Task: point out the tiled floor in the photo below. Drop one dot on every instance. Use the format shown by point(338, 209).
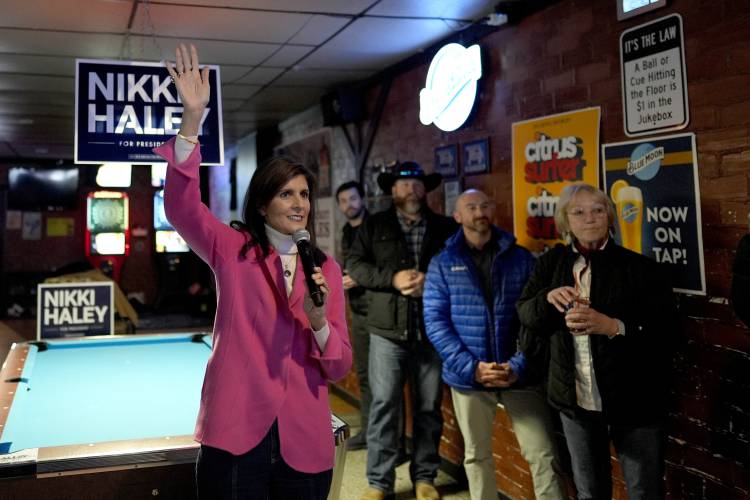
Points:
point(355, 480)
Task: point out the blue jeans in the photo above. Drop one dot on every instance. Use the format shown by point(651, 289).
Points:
point(390, 364)
point(361, 348)
point(260, 474)
point(639, 449)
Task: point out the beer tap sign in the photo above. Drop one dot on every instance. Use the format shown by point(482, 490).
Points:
point(654, 186)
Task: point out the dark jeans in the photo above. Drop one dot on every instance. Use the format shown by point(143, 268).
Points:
point(361, 345)
point(639, 449)
point(390, 365)
point(260, 474)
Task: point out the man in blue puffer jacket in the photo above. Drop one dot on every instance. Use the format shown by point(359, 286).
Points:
point(470, 317)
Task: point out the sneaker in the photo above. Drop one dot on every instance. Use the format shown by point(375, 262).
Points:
point(358, 442)
point(373, 494)
point(426, 491)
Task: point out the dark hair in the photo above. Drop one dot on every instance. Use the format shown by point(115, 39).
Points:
point(349, 185)
point(267, 181)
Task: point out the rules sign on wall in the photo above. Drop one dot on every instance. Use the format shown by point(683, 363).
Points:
point(654, 87)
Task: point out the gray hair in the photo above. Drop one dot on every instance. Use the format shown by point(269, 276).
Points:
point(567, 195)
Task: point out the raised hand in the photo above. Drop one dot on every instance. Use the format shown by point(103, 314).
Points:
point(192, 86)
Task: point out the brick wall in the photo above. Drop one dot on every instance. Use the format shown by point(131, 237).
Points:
point(567, 57)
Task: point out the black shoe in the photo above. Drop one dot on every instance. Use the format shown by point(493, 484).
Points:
point(358, 442)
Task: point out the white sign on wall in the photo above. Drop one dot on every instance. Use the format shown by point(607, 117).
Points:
point(451, 87)
point(324, 225)
point(654, 87)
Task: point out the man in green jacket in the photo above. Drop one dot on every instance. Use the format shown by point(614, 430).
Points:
point(389, 258)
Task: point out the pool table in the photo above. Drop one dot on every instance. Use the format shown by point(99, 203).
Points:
point(106, 417)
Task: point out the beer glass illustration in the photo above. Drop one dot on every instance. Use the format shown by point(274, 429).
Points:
point(629, 206)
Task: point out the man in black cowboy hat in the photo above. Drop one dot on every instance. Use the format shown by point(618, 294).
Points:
point(389, 258)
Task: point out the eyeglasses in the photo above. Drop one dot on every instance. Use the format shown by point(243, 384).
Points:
point(580, 212)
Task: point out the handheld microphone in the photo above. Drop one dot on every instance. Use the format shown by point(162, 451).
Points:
point(302, 239)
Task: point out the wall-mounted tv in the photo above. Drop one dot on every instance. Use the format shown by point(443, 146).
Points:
point(37, 188)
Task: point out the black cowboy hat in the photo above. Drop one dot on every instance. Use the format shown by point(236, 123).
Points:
point(408, 170)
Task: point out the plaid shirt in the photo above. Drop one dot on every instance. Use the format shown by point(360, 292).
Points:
point(414, 232)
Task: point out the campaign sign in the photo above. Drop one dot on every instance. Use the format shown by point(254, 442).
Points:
point(654, 87)
point(654, 186)
point(74, 310)
point(125, 109)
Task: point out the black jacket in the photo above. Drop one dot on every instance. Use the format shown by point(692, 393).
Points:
point(357, 297)
point(378, 252)
point(741, 280)
point(632, 370)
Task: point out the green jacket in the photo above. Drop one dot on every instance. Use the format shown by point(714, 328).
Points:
point(378, 252)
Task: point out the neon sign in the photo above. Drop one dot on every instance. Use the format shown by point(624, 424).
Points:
point(451, 87)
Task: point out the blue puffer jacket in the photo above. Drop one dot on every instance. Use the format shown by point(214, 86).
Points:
point(459, 324)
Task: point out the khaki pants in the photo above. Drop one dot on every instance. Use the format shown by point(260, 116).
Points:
point(530, 415)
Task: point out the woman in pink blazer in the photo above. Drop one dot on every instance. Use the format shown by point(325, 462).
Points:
point(264, 422)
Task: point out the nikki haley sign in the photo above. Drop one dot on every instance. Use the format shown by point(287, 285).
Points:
point(124, 109)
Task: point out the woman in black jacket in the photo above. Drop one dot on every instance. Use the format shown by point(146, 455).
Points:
point(741, 280)
point(605, 314)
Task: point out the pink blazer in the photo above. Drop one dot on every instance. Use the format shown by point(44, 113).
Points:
point(265, 363)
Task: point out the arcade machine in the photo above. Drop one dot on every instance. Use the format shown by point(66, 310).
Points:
point(185, 281)
point(171, 251)
point(107, 231)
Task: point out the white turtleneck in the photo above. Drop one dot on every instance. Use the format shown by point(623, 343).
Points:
point(287, 250)
point(284, 245)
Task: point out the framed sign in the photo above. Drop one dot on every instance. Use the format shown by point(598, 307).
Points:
point(446, 160)
point(452, 191)
point(476, 156)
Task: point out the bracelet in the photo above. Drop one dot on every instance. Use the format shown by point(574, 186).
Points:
point(191, 141)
